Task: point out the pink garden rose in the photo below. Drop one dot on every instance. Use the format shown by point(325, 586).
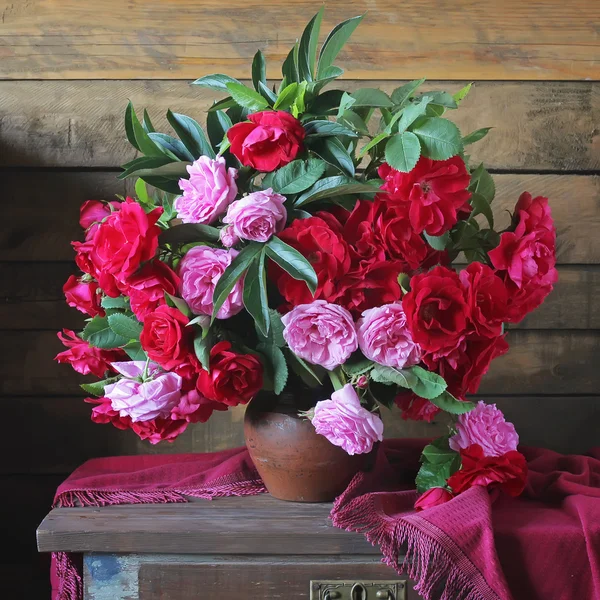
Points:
point(155, 396)
point(345, 423)
point(486, 427)
point(257, 216)
point(321, 333)
point(200, 270)
point(227, 236)
point(384, 337)
point(208, 191)
point(83, 296)
point(433, 497)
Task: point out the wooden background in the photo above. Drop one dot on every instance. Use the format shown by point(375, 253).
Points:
point(67, 68)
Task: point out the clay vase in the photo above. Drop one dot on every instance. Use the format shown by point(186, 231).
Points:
point(296, 463)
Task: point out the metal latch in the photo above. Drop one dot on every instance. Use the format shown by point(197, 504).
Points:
point(358, 590)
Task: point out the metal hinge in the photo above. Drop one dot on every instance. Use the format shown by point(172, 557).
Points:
point(358, 590)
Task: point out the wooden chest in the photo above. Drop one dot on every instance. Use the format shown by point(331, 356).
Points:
point(252, 548)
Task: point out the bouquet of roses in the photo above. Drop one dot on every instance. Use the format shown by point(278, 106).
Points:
point(310, 234)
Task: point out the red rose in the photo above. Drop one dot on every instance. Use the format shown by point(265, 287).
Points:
point(270, 140)
point(165, 337)
point(436, 310)
point(233, 379)
point(433, 497)
point(86, 359)
point(83, 251)
point(159, 429)
point(360, 232)
point(122, 242)
point(195, 408)
point(83, 296)
point(535, 212)
point(103, 413)
point(487, 298)
point(93, 212)
point(325, 248)
point(415, 408)
point(508, 472)
point(435, 190)
point(146, 288)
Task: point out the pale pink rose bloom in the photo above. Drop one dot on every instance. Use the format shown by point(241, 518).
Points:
point(345, 423)
point(257, 216)
point(485, 426)
point(200, 270)
point(208, 191)
point(228, 237)
point(384, 337)
point(321, 333)
point(144, 400)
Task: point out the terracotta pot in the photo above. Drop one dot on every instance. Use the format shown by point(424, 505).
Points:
point(295, 462)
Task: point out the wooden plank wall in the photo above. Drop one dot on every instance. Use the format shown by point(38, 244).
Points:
point(67, 68)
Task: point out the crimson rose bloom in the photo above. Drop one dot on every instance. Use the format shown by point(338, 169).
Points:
point(435, 190)
point(104, 413)
point(146, 288)
point(121, 243)
point(535, 213)
point(233, 379)
point(86, 359)
point(433, 497)
point(436, 310)
point(165, 337)
point(93, 212)
point(508, 472)
point(83, 296)
point(270, 140)
point(415, 408)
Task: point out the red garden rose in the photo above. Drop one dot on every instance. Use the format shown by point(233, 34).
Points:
point(93, 212)
point(436, 310)
point(508, 472)
point(104, 413)
point(83, 295)
point(435, 191)
point(195, 408)
point(534, 213)
point(146, 288)
point(86, 359)
point(415, 408)
point(323, 245)
point(360, 231)
point(165, 337)
point(433, 497)
point(233, 379)
point(122, 242)
point(159, 429)
point(271, 139)
point(487, 298)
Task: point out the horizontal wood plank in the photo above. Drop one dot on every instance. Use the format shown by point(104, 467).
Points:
point(43, 210)
point(537, 126)
point(32, 298)
point(540, 39)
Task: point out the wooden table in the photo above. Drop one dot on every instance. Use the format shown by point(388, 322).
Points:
point(252, 548)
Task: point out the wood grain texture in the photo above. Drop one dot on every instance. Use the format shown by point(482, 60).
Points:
point(537, 126)
point(39, 232)
point(110, 39)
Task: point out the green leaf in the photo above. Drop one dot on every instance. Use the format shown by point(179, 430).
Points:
point(390, 376)
point(99, 334)
point(349, 117)
point(446, 401)
point(286, 97)
point(147, 123)
point(275, 333)
point(296, 176)
point(410, 114)
point(224, 104)
point(481, 207)
point(187, 233)
point(370, 97)
point(97, 388)
point(135, 351)
point(326, 103)
point(291, 261)
point(255, 293)
point(203, 342)
point(358, 366)
point(120, 302)
point(312, 375)
point(172, 171)
point(483, 183)
point(172, 146)
point(307, 51)
point(440, 138)
point(475, 136)
point(378, 138)
point(126, 327)
point(462, 93)
point(402, 151)
point(266, 93)
point(170, 186)
point(403, 93)
point(277, 364)
point(178, 303)
point(144, 163)
point(137, 136)
point(428, 385)
point(438, 451)
point(330, 187)
point(437, 242)
point(439, 463)
point(323, 128)
point(232, 274)
point(259, 70)
point(216, 82)
point(289, 68)
point(332, 151)
point(442, 99)
point(246, 97)
point(217, 125)
point(191, 134)
point(334, 43)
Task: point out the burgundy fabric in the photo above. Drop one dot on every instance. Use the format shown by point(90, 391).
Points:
point(478, 546)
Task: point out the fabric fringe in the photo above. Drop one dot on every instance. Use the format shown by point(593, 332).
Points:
point(405, 548)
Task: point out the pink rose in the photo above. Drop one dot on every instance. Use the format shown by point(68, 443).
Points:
point(228, 237)
point(200, 270)
point(159, 430)
point(321, 333)
point(196, 408)
point(534, 212)
point(143, 398)
point(384, 337)
point(83, 295)
point(433, 497)
point(257, 216)
point(93, 212)
point(86, 359)
point(486, 427)
point(345, 423)
point(208, 191)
